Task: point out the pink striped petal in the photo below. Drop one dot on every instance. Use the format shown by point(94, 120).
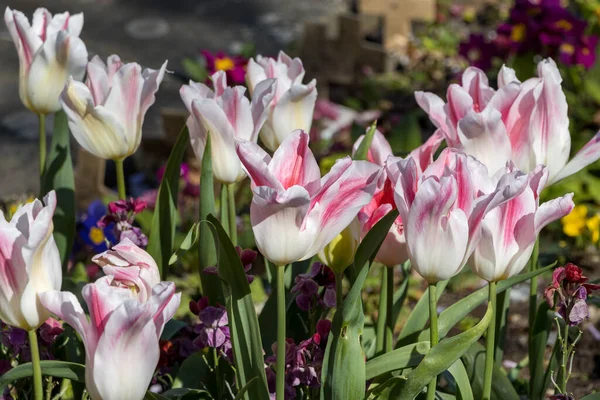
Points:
point(507, 76)
point(102, 299)
point(261, 99)
point(433, 105)
point(587, 155)
point(255, 161)
point(553, 210)
point(404, 175)
point(164, 302)
point(476, 83)
point(237, 109)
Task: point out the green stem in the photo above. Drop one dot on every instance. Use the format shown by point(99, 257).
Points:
point(37, 368)
point(490, 345)
point(218, 374)
point(225, 208)
point(563, 376)
point(382, 315)
point(339, 294)
point(280, 363)
point(121, 179)
point(533, 288)
point(42, 132)
point(433, 334)
point(389, 331)
point(232, 215)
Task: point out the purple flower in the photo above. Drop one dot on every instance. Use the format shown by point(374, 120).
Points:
point(247, 257)
point(479, 51)
point(234, 66)
point(121, 215)
point(213, 330)
point(308, 286)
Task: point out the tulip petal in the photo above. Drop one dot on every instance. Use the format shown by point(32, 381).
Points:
point(294, 110)
point(40, 21)
point(476, 83)
point(102, 299)
point(13, 273)
point(404, 176)
point(94, 128)
point(587, 155)
point(433, 105)
point(59, 57)
point(261, 99)
point(236, 107)
point(97, 80)
point(66, 306)
point(255, 161)
point(506, 76)
point(294, 164)
point(255, 74)
point(276, 219)
point(423, 155)
point(459, 103)
point(164, 302)
point(152, 80)
point(25, 39)
point(553, 210)
point(127, 353)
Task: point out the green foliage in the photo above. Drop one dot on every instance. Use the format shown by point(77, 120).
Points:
point(57, 369)
point(58, 176)
point(474, 362)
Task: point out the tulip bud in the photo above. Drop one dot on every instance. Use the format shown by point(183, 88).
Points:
point(49, 52)
point(339, 253)
point(29, 263)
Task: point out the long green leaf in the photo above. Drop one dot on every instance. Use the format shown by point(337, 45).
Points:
point(537, 352)
point(593, 396)
point(207, 253)
point(243, 322)
point(407, 356)
point(474, 362)
point(440, 358)
point(363, 149)
point(343, 371)
point(457, 311)
point(459, 373)
point(162, 235)
point(58, 369)
point(58, 176)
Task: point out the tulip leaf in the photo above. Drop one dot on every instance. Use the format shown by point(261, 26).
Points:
point(188, 242)
point(419, 316)
point(155, 396)
point(243, 322)
point(57, 369)
point(364, 146)
point(207, 253)
point(537, 352)
point(439, 359)
point(407, 356)
point(187, 394)
point(457, 311)
point(162, 234)
point(593, 396)
point(474, 362)
point(459, 373)
point(343, 371)
point(171, 328)
point(58, 176)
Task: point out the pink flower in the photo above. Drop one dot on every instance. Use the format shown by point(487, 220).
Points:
point(294, 212)
point(292, 106)
point(49, 52)
point(106, 113)
point(233, 66)
point(393, 250)
point(226, 115)
point(509, 231)
point(523, 122)
point(29, 263)
point(442, 209)
point(121, 336)
point(130, 267)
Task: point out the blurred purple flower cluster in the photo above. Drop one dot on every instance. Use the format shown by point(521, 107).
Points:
point(572, 289)
point(303, 362)
point(309, 285)
point(543, 27)
point(120, 216)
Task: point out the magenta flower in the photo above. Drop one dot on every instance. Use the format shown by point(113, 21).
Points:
point(233, 66)
point(121, 214)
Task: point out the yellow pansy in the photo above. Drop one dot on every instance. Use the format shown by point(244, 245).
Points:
point(574, 223)
point(593, 224)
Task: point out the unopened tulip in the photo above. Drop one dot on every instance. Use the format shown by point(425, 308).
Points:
point(339, 253)
point(442, 209)
point(49, 52)
point(121, 336)
point(525, 122)
point(292, 106)
point(106, 113)
point(226, 115)
point(393, 250)
point(29, 263)
point(294, 212)
point(509, 231)
point(130, 267)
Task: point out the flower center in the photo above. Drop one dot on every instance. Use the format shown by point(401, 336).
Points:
point(224, 64)
point(518, 33)
point(96, 235)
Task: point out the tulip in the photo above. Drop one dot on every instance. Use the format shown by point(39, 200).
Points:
point(294, 212)
point(339, 253)
point(227, 115)
point(130, 267)
point(509, 231)
point(29, 263)
point(107, 112)
point(121, 337)
point(49, 52)
point(523, 122)
point(292, 106)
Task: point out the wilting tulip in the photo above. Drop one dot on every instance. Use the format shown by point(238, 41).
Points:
point(294, 212)
point(292, 106)
point(509, 231)
point(226, 115)
point(523, 122)
point(393, 250)
point(121, 337)
point(49, 52)
point(339, 253)
point(106, 113)
point(29, 263)
point(444, 206)
point(130, 267)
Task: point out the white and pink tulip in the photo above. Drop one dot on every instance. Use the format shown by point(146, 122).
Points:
point(294, 212)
